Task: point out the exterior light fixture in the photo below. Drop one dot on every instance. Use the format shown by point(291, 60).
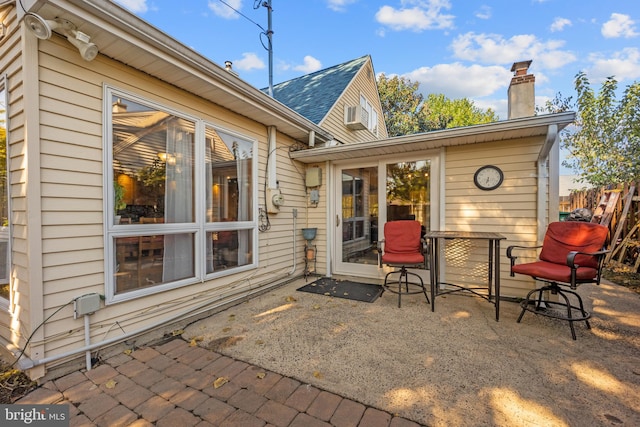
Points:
point(43, 29)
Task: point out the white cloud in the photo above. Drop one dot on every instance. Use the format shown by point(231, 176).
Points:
point(249, 61)
point(310, 65)
point(459, 81)
point(559, 24)
point(619, 25)
point(493, 48)
point(224, 11)
point(483, 13)
point(137, 6)
point(424, 15)
point(339, 5)
point(499, 106)
point(623, 65)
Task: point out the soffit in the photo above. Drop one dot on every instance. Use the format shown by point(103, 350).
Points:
point(123, 37)
point(496, 131)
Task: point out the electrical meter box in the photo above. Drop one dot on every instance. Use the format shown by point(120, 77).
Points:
point(314, 177)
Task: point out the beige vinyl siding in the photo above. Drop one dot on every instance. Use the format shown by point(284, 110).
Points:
point(11, 68)
point(363, 83)
point(509, 210)
point(317, 218)
point(72, 206)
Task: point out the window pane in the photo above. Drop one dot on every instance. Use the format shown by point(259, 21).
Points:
point(229, 177)
point(408, 191)
point(153, 164)
point(4, 201)
point(145, 261)
point(228, 249)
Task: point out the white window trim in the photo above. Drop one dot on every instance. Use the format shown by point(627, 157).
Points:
point(199, 228)
point(372, 114)
point(5, 304)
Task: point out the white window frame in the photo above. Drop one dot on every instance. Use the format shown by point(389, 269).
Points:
point(372, 114)
point(199, 228)
point(5, 303)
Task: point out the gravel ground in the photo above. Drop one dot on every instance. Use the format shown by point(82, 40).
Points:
point(455, 366)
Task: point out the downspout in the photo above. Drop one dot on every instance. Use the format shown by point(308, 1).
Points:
point(330, 221)
point(544, 188)
point(272, 182)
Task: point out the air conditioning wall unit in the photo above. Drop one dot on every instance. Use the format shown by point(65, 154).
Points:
point(355, 117)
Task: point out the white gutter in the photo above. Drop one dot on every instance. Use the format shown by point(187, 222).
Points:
point(129, 30)
point(495, 131)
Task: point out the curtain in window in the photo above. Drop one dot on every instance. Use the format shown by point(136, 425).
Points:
point(178, 248)
point(242, 167)
point(209, 201)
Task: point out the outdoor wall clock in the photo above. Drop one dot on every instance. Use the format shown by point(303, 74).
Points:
point(488, 177)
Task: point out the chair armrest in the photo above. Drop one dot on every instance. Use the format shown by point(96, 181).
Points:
point(513, 257)
point(424, 247)
point(512, 247)
point(571, 257)
point(424, 250)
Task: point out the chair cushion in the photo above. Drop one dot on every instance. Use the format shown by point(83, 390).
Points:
point(554, 271)
point(402, 242)
point(402, 259)
point(566, 236)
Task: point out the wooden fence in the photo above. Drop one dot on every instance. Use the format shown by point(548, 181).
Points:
point(625, 222)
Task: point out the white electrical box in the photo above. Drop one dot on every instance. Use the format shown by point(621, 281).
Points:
point(86, 304)
point(314, 177)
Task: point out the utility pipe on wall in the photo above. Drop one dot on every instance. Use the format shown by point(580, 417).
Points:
point(272, 179)
point(87, 341)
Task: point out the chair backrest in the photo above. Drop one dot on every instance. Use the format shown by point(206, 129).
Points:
point(402, 237)
point(566, 236)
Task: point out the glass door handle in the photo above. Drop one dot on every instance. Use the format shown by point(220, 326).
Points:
point(337, 220)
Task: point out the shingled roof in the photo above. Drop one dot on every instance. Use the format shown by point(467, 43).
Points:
point(313, 95)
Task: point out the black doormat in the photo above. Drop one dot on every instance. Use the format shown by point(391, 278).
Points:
point(344, 289)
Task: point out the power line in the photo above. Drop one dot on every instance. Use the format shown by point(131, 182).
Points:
point(243, 15)
point(268, 33)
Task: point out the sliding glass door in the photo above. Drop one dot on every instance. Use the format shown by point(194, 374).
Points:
point(366, 198)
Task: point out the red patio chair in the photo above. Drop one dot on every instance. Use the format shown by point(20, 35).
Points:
point(403, 247)
point(572, 254)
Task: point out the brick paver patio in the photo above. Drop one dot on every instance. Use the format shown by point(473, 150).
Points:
point(174, 384)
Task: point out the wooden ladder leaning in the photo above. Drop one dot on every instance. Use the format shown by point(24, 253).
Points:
point(626, 253)
point(604, 211)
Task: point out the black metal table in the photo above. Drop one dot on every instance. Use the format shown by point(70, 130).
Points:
point(493, 265)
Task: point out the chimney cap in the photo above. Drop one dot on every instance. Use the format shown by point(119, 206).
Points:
point(521, 67)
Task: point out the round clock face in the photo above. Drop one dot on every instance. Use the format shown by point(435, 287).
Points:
point(488, 177)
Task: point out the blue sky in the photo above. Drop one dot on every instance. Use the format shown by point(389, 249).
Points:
point(461, 48)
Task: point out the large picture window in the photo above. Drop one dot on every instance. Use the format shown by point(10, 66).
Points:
point(175, 216)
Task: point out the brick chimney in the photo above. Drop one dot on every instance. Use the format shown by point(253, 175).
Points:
point(521, 92)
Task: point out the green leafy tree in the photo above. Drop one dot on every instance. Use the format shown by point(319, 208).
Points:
point(402, 105)
point(445, 113)
point(604, 146)
point(406, 111)
point(559, 104)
